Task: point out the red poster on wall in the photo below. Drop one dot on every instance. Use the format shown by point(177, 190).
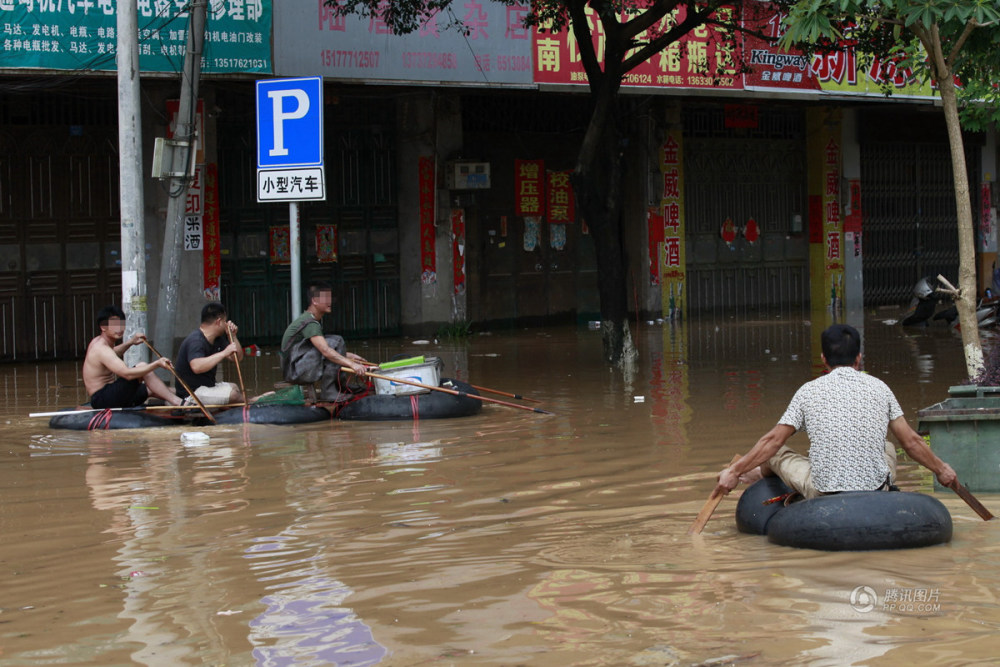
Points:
point(211, 253)
point(428, 260)
point(458, 248)
point(279, 245)
point(326, 244)
point(529, 187)
point(559, 197)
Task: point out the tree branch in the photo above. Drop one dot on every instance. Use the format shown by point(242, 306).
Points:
point(960, 42)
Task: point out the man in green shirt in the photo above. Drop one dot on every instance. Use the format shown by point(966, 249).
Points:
point(307, 355)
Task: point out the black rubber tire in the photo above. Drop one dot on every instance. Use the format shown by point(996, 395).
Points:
point(752, 515)
point(273, 414)
point(432, 405)
point(862, 521)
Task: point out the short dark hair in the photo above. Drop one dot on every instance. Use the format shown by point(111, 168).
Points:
point(316, 287)
point(212, 311)
point(106, 313)
point(841, 345)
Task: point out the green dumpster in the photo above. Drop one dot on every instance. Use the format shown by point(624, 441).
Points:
point(965, 432)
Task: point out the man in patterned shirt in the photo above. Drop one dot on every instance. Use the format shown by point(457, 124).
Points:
point(846, 414)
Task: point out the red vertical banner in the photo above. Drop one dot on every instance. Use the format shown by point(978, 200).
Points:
point(211, 253)
point(326, 244)
point(458, 248)
point(671, 252)
point(654, 220)
point(560, 208)
point(428, 260)
point(529, 187)
point(831, 205)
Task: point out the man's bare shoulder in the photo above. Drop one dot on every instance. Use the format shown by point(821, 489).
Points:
point(101, 354)
point(98, 346)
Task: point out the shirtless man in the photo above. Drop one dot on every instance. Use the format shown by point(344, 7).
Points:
point(111, 383)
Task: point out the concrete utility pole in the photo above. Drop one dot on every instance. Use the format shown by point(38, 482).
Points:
point(133, 232)
point(185, 132)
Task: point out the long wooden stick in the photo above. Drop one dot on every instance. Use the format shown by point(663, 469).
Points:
point(183, 383)
point(239, 373)
point(137, 408)
point(971, 500)
point(453, 392)
point(504, 393)
point(709, 507)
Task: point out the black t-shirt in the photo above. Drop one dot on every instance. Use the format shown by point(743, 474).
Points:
point(196, 346)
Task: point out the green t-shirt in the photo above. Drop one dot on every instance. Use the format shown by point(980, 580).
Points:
point(313, 328)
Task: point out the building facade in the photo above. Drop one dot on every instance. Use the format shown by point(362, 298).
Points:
point(447, 201)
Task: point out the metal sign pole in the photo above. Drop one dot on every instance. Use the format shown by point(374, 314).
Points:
point(294, 242)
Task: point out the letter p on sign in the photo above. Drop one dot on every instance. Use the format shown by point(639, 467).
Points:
point(290, 122)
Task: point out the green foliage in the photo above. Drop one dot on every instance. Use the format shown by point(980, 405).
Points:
point(969, 33)
point(460, 329)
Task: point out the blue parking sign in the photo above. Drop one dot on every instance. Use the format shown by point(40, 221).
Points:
point(290, 122)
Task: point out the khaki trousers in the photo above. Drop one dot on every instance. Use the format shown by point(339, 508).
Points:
point(795, 470)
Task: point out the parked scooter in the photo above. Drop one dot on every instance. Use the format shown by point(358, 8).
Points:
point(929, 294)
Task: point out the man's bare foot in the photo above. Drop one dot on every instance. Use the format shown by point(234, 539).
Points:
point(751, 476)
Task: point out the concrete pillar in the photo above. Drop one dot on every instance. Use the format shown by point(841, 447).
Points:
point(851, 187)
point(429, 125)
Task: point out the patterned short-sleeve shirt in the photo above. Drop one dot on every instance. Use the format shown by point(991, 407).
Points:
point(846, 414)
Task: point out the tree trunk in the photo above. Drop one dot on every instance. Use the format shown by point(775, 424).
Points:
point(597, 185)
point(966, 302)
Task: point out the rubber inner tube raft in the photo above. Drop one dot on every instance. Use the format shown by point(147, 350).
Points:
point(271, 414)
point(370, 407)
point(848, 521)
point(86, 419)
point(432, 405)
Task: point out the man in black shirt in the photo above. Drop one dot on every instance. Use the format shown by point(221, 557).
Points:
point(202, 351)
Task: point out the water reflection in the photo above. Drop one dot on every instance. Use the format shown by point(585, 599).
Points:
point(504, 538)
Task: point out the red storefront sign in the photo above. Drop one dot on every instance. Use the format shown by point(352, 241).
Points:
point(559, 195)
point(529, 187)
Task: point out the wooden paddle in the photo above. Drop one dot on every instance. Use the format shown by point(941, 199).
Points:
point(453, 392)
point(971, 500)
point(504, 393)
point(239, 373)
point(709, 507)
point(183, 383)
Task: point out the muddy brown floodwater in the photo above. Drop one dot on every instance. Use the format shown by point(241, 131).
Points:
point(507, 538)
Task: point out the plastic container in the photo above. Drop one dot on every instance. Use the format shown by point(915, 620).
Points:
point(428, 373)
point(965, 433)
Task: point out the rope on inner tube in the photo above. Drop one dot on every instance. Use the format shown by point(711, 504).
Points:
point(100, 421)
point(414, 406)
